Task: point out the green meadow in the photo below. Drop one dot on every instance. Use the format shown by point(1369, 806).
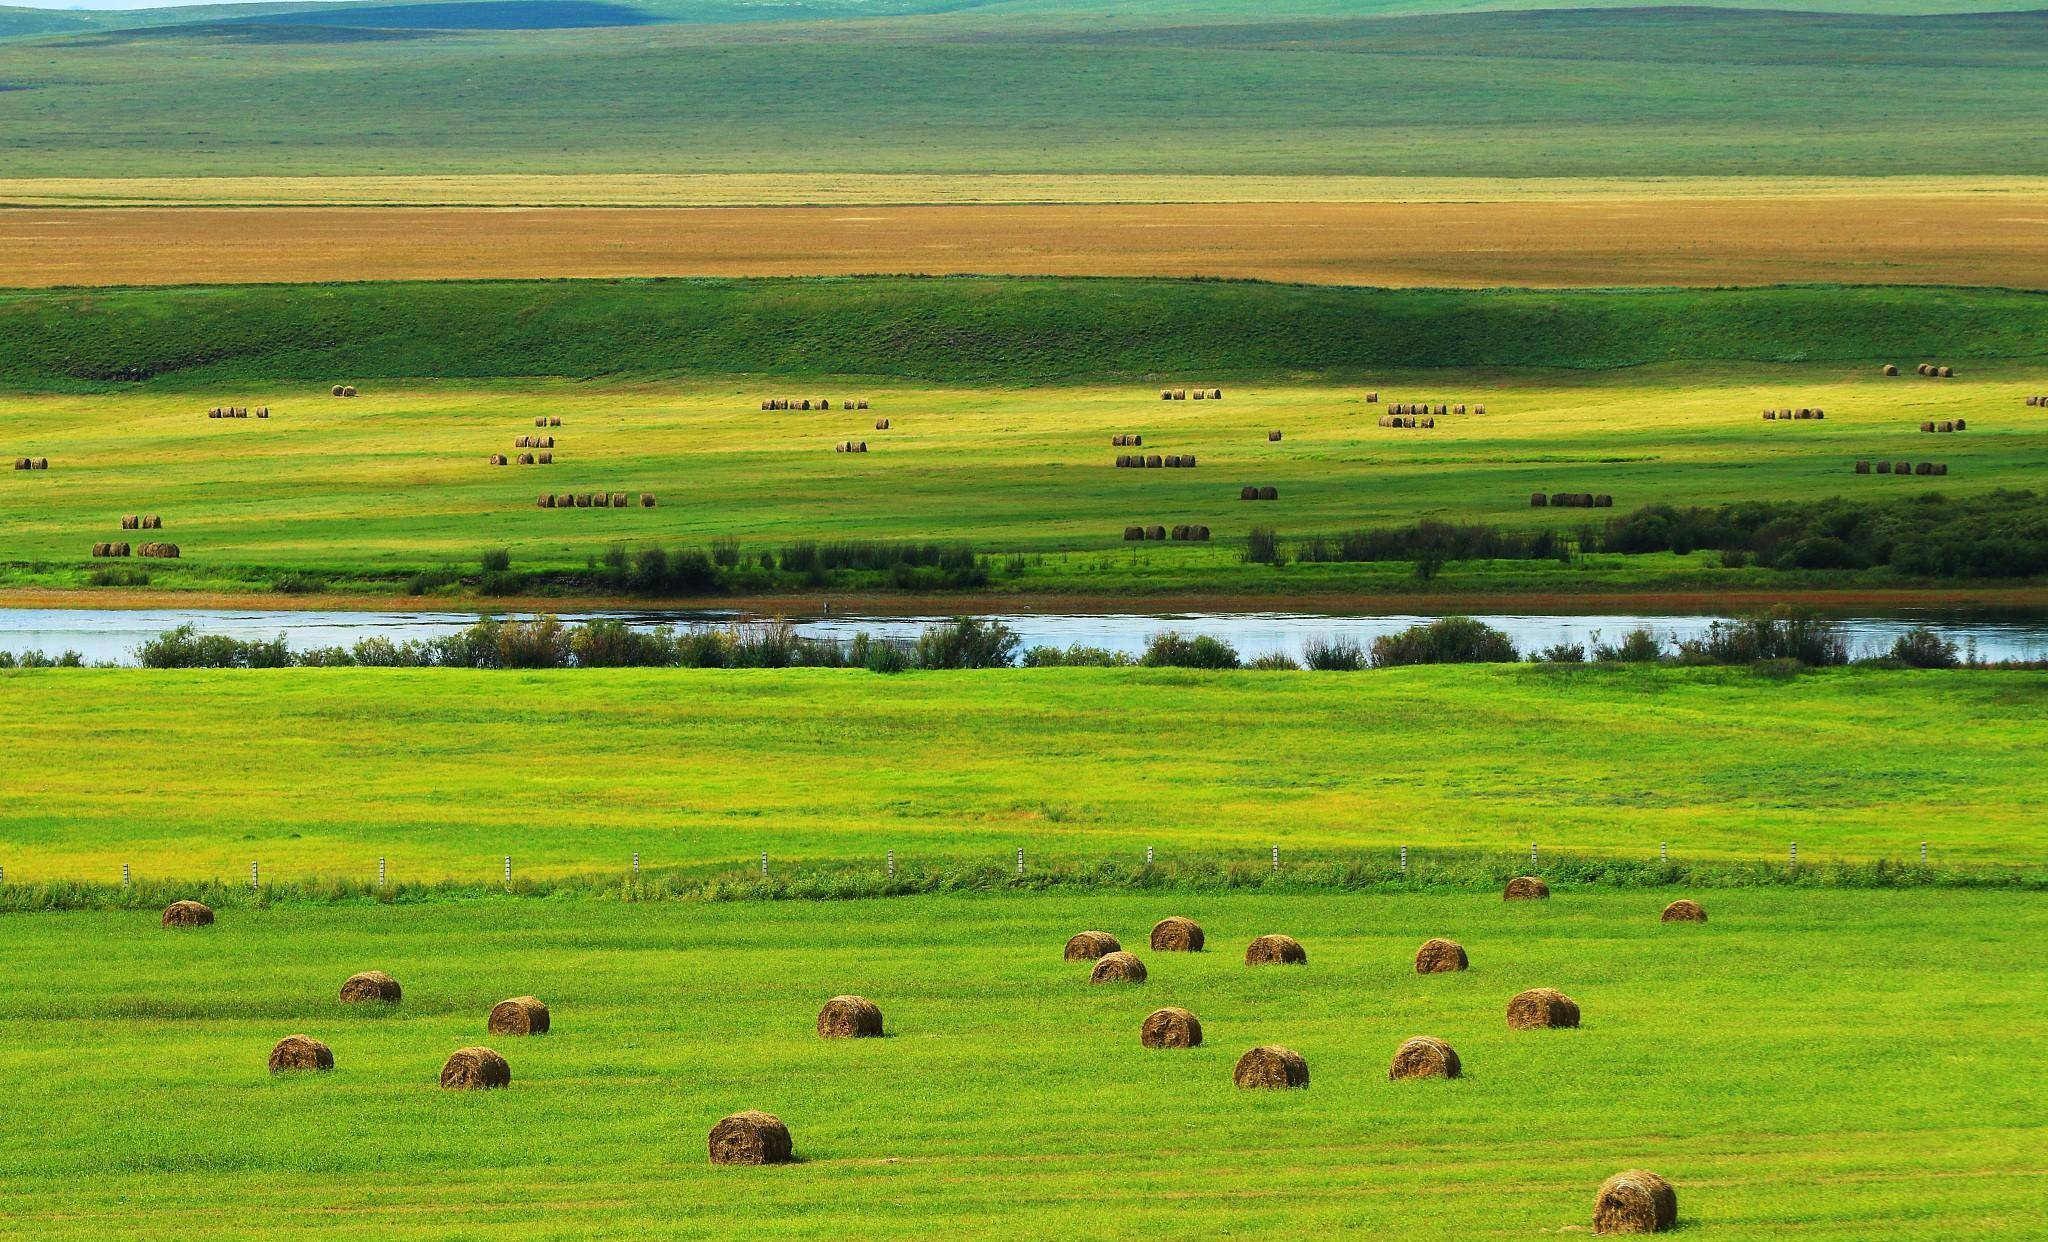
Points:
point(1828, 1065)
point(317, 773)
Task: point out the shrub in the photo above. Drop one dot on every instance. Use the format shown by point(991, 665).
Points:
point(118, 576)
point(1343, 655)
point(1562, 653)
point(1076, 656)
point(1921, 647)
point(725, 552)
point(1638, 646)
point(1447, 640)
point(1172, 650)
point(1275, 661)
point(297, 584)
point(1783, 634)
point(965, 642)
point(497, 560)
point(1262, 547)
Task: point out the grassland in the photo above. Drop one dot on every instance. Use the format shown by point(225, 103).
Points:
point(1737, 1058)
point(1587, 93)
point(1955, 238)
point(317, 773)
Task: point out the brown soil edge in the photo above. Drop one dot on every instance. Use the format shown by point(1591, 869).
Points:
point(1677, 602)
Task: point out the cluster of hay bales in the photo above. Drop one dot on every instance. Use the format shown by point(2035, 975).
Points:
point(1406, 420)
point(31, 463)
point(343, 390)
point(2041, 401)
point(1125, 440)
point(1787, 416)
point(110, 549)
point(1946, 425)
point(547, 420)
point(1571, 500)
point(1181, 394)
point(1904, 467)
point(851, 446)
point(1182, 533)
point(592, 500)
point(1190, 533)
point(1424, 407)
point(142, 521)
point(1258, 493)
point(237, 411)
point(811, 403)
point(537, 442)
point(1155, 461)
point(1931, 371)
point(162, 551)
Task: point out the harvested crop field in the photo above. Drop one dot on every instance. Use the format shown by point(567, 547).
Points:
point(1592, 241)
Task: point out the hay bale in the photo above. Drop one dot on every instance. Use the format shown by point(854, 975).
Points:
point(1166, 394)
point(1247, 493)
point(751, 1137)
point(1269, 1067)
point(475, 1069)
point(1275, 950)
point(1819, 413)
point(1155, 532)
point(1153, 461)
point(1424, 1056)
point(1117, 967)
point(881, 424)
point(371, 986)
point(1884, 467)
point(862, 404)
point(151, 521)
point(619, 501)
point(497, 459)
point(1201, 394)
point(1170, 1027)
point(1179, 534)
point(117, 549)
point(162, 551)
point(188, 914)
point(336, 390)
point(99, 549)
point(1890, 370)
point(1945, 426)
point(1948, 372)
point(1372, 398)
point(850, 1017)
point(1634, 1201)
point(1272, 437)
point(1601, 500)
point(1902, 467)
point(546, 459)
point(1940, 468)
point(1962, 425)
point(1459, 408)
point(1863, 467)
point(1438, 956)
point(131, 522)
point(526, 459)
point(300, 1052)
point(1537, 500)
point(1541, 1008)
point(647, 500)
point(1269, 493)
point(1087, 946)
point(563, 500)
point(1200, 534)
point(1526, 888)
point(1925, 467)
point(348, 390)
point(1215, 394)
point(1479, 409)
point(599, 500)
point(520, 1015)
point(1134, 534)
point(1685, 910)
point(1174, 934)
point(546, 501)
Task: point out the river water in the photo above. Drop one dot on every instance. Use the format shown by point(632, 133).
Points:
point(111, 635)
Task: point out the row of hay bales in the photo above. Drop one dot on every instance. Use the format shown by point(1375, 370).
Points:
point(1407, 420)
point(1946, 425)
point(1903, 467)
point(31, 463)
point(141, 521)
point(851, 446)
point(1439, 408)
point(162, 551)
point(1126, 440)
point(2041, 401)
point(1155, 461)
point(547, 420)
point(1802, 412)
point(1571, 500)
point(592, 500)
point(1926, 369)
point(523, 459)
point(237, 411)
point(1181, 394)
point(811, 403)
point(1249, 492)
point(537, 442)
point(343, 390)
point(1185, 534)
point(110, 549)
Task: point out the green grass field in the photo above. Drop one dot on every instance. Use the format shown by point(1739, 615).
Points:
point(317, 773)
point(1220, 88)
point(1802, 1065)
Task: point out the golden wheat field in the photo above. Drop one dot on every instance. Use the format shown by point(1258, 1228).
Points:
point(1922, 236)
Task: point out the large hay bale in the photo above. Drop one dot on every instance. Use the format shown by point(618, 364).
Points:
point(1215, 394)
point(1526, 888)
point(1201, 394)
point(336, 390)
point(1247, 493)
point(1166, 394)
point(850, 1017)
point(1889, 369)
point(188, 914)
point(1275, 950)
point(371, 986)
point(881, 424)
point(861, 404)
point(1962, 424)
point(546, 459)
point(647, 500)
point(1372, 398)
point(526, 459)
point(1940, 468)
point(1537, 500)
point(497, 459)
point(1601, 500)
point(99, 549)
point(519, 1015)
point(1425, 1056)
point(1117, 967)
point(151, 521)
point(162, 551)
point(1948, 372)
point(1134, 534)
point(1539, 1008)
point(1634, 1201)
point(1884, 467)
point(1174, 934)
point(1269, 493)
point(1685, 910)
point(1925, 467)
point(1170, 1028)
point(751, 1137)
point(1438, 956)
point(131, 522)
point(1863, 467)
point(1155, 532)
point(1089, 945)
point(117, 549)
point(546, 501)
point(300, 1052)
point(1153, 461)
point(1479, 409)
point(1200, 533)
point(1178, 533)
point(620, 501)
point(1269, 1067)
point(348, 390)
point(1273, 437)
point(475, 1069)
point(600, 500)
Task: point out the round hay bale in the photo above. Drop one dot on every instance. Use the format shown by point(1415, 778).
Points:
point(1215, 394)
point(1962, 425)
point(647, 500)
point(1634, 1201)
point(1479, 409)
point(600, 500)
point(1539, 1008)
point(1863, 467)
point(520, 1015)
point(546, 501)
point(1174, 934)
point(1526, 888)
point(619, 500)
point(371, 986)
point(547, 459)
point(1889, 369)
point(1884, 467)
point(1269, 1067)
point(1941, 467)
point(337, 390)
point(881, 424)
point(1274, 950)
point(188, 914)
point(497, 459)
point(1088, 945)
point(1438, 956)
point(1425, 1056)
point(1372, 398)
point(1117, 967)
point(751, 1137)
point(300, 1052)
point(99, 549)
point(1170, 1028)
point(1155, 532)
point(526, 459)
point(348, 390)
point(1948, 372)
point(1685, 910)
point(1537, 500)
point(1153, 461)
point(1201, 534)
point(850, 1017)
point(1247, 493)
point(1601, 500)
point(475, 1069)
point(1269, 493)
point(1166, 394)
point(1179, 533)
point(861, 404)
point(1902, 467)
point(1272, 437)
point(1134, 534)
